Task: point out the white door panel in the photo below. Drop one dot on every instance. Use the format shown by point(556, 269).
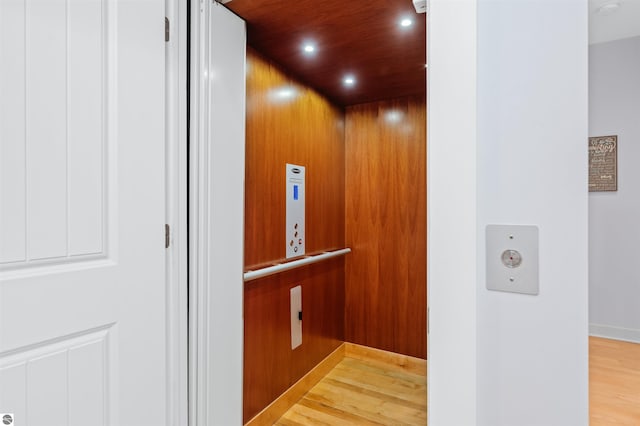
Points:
point(217, 180)
point(82, 205)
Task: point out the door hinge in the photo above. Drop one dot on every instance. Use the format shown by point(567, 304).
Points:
point(167, 235)
point(166, 29)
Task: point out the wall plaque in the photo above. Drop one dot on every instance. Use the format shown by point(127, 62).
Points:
point(603, 163)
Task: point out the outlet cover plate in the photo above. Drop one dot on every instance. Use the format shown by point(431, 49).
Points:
point(512, 258)
point(296, 322)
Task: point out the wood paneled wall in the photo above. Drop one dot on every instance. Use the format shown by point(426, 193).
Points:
point(288, 123)
point(386, 218)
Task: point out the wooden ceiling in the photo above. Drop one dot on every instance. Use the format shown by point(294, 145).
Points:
point(363, 38)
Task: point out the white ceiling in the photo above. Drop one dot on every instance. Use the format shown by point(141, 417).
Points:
point(623, 22)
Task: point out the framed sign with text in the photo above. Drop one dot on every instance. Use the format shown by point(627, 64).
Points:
point(603, 163)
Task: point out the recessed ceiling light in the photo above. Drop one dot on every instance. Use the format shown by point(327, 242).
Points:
point(309, 48)
point(349, 80)
point(406, 22)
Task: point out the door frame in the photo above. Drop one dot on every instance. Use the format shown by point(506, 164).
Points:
point(216, 217)
point(451, 211)
point(176, 170)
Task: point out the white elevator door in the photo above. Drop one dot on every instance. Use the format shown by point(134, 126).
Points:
point(82, 193)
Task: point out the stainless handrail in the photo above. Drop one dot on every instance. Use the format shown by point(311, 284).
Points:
point(275, 269)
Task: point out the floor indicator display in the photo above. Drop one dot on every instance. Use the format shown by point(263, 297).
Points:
point(295, 236)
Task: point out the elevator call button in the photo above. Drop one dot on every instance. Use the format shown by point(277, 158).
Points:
point(512, 258)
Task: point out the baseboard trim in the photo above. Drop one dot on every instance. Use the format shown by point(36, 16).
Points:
point(404, 362)
point(615, 333)
point(288, 399)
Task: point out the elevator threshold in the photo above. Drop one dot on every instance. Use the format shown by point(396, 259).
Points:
point(354, 385)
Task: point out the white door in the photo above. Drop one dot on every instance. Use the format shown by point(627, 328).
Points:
point(82, 193)
point(217, 247)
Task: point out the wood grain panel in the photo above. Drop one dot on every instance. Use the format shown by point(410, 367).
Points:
point(359, 37)
point(288, 399)
point(270, 366)
point(289, 123)
point(386, 225)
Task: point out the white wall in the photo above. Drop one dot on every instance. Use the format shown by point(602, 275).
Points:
point(532, 169)
point(452, 212)
point(614, 229)
point(525, 164)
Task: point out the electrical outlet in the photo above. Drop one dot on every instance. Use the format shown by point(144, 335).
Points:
point(296, 316)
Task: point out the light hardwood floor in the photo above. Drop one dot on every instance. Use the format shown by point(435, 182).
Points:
point(366, 390)
point(614, 383)
point(363, 390)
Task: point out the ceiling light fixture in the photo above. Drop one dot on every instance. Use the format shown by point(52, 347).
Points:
point(349, 80)
point(420, 6)
point(406, 22)
point(309, 48)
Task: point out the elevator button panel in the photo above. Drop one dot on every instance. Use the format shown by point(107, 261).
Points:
point(295, 211)
point(512, 258)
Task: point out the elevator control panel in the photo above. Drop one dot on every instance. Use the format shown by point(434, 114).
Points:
point(295, 236)
point(512, 258)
